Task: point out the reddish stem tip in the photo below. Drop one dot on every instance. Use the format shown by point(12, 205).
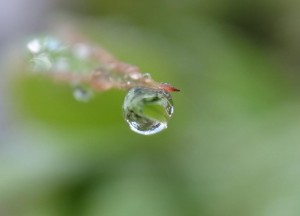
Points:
point(169, 88)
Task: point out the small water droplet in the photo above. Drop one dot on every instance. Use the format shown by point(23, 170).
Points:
point(135, 76)
point(81, 51)
point(82, 93)
point(147, 111)
point(51, 44)
point(34, 46)
point(41, 62)
point(146, 76)
point(61, 64)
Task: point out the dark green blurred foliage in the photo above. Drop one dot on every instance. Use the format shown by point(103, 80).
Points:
point(232, 147)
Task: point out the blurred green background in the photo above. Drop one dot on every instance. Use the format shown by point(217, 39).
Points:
point(231, 148)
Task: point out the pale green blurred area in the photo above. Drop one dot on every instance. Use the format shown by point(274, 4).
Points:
point(231, 148)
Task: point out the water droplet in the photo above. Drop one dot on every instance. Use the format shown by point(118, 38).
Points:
point(81, 51)
point(34, 46)
point(41, 62)
point(82, 93)
point(61, 65)
point(52, 44)
point(147, 111)
point(147, 76)
point(135, 76)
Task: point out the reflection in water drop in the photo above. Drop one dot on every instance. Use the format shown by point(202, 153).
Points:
point(82, 93)
point(147, 111)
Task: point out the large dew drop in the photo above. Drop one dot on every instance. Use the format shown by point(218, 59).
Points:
point(147, 111)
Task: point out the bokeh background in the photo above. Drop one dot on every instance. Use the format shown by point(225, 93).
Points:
point(231, 148)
